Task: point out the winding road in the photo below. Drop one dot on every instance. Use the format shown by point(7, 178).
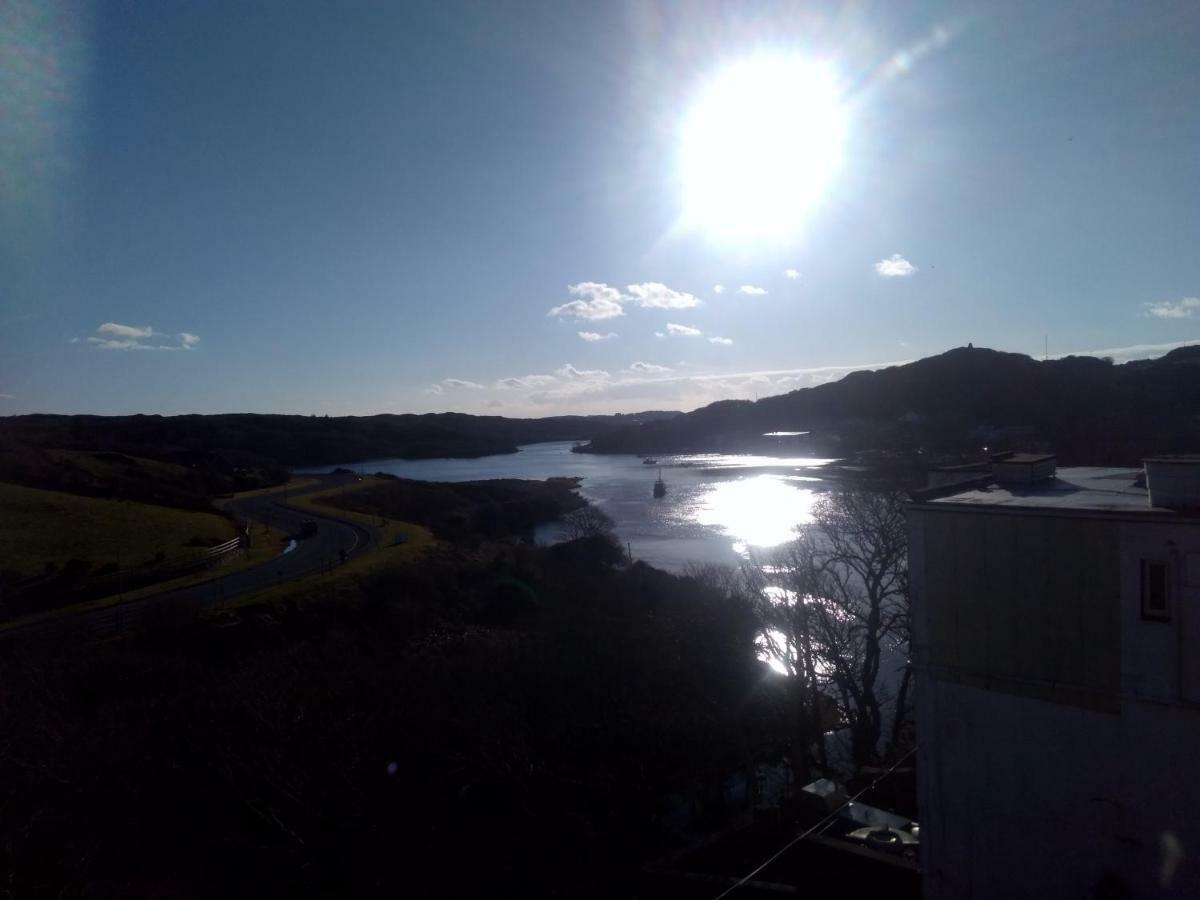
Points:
point(320, 552)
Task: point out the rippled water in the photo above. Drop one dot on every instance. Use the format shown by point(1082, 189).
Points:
point(718, 508)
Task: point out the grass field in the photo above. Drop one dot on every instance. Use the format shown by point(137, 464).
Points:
point(343, 581)
point(39, 527)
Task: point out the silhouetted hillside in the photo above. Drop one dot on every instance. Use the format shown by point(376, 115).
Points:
point(240, 440)
point(1087, 409)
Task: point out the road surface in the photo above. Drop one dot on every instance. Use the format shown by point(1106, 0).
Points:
point(320, 552)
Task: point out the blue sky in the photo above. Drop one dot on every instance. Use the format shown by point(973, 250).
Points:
point(360, 208)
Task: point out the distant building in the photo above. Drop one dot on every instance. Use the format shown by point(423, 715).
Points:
point(1056, 633)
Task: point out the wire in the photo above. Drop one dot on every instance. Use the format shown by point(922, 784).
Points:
point(824, 822)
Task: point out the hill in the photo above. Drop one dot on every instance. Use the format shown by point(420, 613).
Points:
point(1086, 409)
point(305, 440)
point(207, 455)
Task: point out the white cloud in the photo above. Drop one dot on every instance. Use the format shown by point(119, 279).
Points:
point(791, 274)
point(6, 397)
point(751, 290)
point(720, 340)
point(462, 383)
point(125, 331)
point(1186, 308)
point(659, 334)
point(109, 344)
point(895, 266)
point(1131, 352)
point(648, 368)
point(718, 288)
point(526, 381)
point(682, 330)
point(654, 295)
point(600, 302)
point(114, 336)
point(569, 371)
point(434, 389)
point(592, 336)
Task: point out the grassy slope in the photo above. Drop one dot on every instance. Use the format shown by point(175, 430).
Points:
point(343, 580)
point(39, 526)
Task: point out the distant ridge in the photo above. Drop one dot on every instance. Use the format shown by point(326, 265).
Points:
point(235, 441)
point(1087, 409)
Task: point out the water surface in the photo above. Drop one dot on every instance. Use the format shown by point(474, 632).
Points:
point(718, 509)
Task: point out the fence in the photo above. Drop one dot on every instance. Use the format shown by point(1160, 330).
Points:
point(61, 590)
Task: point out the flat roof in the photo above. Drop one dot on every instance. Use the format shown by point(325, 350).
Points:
point(1082, 488)
point(1023, 458)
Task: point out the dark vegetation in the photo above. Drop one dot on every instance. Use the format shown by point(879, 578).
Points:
point(1088, 410)
point(119, 476)
point(229, 444)
point(517, 725)
point(466, 511)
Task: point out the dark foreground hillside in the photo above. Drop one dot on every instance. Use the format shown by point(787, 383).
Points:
point(1087, 409)
point(520, 725)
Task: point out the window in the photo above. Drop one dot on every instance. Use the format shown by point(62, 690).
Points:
point(1156, 593)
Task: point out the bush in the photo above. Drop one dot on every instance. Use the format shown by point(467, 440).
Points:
point(589, 552)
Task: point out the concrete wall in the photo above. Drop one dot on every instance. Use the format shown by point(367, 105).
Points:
point(1025, 604)
point(1061, 777)
point(1161, 660)
point(1027, 798)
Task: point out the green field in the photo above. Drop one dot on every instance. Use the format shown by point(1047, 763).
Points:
point(38, 527)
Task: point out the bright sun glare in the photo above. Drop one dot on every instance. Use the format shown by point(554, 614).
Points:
point(759, 145)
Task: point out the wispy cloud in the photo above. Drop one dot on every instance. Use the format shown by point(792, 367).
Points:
point(1130, 352)
point(682, 330)
point(655, 295)
point(1187, 308)
point(569, 371)
point(599, 301)
point(462, 383)
point(791, 274)
point(718, 288)
point(592, 336)
point(115, 336)
point(7, 397)
point(434, 389)
point(720, 340)
point(596, 301)
point(895, 266)
point(525, 381)
point(751, 290)
point(648, 368)
point(125, 331)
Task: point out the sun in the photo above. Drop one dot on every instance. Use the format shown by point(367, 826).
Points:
point(758, 148)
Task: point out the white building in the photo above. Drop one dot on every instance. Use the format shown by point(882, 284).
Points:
point(1056, 633)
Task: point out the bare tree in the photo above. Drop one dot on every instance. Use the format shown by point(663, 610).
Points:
point(834, 602)
point(784, 605)
point(586, 522)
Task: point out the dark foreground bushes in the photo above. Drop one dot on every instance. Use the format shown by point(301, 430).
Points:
point(505, 728)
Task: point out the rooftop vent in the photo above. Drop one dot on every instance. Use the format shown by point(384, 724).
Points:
point(1023, 468)
point(1174, 481)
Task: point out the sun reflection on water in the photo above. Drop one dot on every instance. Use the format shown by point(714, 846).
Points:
point(760, 511)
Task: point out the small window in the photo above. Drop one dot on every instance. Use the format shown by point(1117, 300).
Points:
point(1156, 594)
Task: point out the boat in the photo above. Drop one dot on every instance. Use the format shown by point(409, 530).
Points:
point(649, 461)
point(660, 486)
